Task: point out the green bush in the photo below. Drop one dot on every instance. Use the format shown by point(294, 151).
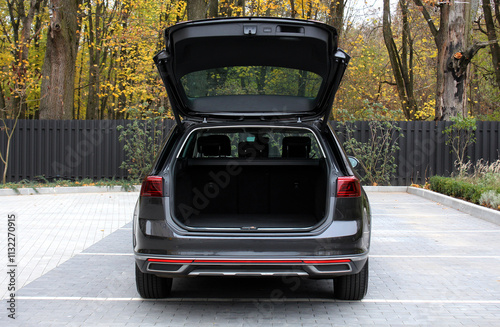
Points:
point(460, 136)
point(142, 139)
point(376, 156)
point(457, 189)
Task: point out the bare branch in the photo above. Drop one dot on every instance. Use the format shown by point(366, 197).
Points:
point(461, 60)
point(428, 18)
point(479, 27)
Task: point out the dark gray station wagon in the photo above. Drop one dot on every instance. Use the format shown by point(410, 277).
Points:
point(252, 180)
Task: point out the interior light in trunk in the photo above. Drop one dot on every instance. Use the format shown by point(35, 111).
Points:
point(152, 186)
point(348, 187)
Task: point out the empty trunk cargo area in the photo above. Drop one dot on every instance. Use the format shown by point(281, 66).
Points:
point(272, 194)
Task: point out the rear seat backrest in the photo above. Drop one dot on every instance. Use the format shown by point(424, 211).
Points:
point(214, 146)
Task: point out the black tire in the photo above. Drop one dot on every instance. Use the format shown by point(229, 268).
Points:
point(150, 286)
point(351, 287)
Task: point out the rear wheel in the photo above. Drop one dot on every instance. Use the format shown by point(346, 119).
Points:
point(351, 287)
point(151, 286)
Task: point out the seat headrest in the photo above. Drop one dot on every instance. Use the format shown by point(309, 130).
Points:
point(214, 145)
point(258, 149)
point(296, 147)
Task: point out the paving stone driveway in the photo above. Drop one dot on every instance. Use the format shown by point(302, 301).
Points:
point(429, 266)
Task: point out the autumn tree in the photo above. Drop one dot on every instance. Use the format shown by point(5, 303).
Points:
point(491, 33)
point(229, 8)
point(401, 62)
point(362, 83)
point(96, 13)
point(19, 34)
point(114, 75)
point(57, 90)
point(454, 55)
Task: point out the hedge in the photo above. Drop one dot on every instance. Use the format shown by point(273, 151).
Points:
point(457, 189)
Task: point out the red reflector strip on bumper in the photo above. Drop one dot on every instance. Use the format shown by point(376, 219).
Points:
point(249, 261)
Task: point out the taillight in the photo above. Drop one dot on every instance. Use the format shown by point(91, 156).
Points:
point(152, 186)
point(348, 187)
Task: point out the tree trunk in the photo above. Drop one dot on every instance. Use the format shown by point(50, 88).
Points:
point(39, 22)
point(497, 10)
point(57, 89)
point(453, 98)
point(242, 5)
point(492, 37)
point(293, 12)
point(21, 23)
point(402, 65)
point(94, 40)
point(336, 15)
point(3, 106)
point(196, 9)
point(213, 8)
point(454, 55)
point(121, 77)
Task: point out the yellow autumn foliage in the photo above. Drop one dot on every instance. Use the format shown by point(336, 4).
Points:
point(127, 34)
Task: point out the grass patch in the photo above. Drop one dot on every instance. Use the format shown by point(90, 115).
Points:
point(39, 182)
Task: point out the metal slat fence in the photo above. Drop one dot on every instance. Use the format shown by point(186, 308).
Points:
point(71, 149)
point(78, 149)
point(423, 151)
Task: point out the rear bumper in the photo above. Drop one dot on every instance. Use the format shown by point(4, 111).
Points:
point(312, 267)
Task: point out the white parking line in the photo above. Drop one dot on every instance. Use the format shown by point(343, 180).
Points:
point(97, 253)
point(419, 215)
point(402, 203)
point(132, 299)
point(436, 256)
point(435, 231)
point(433, 301)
